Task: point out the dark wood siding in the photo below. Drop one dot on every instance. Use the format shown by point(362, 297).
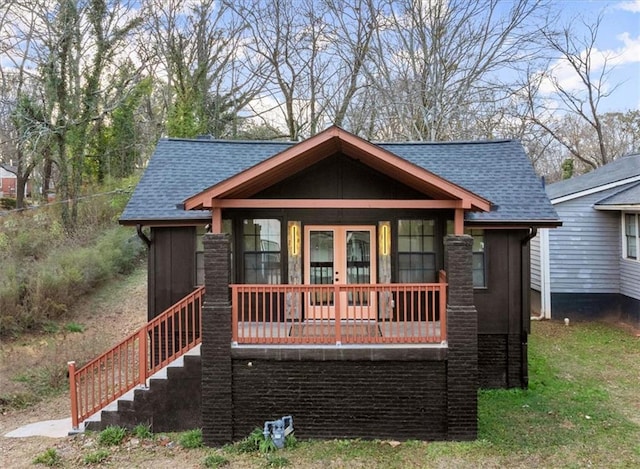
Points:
point(171, 267)
point(340, 177)
point(503, 310)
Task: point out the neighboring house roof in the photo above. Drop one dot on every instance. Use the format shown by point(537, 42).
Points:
point(622, 171)
point(626, 198)
point(497, 171)
point(7, 171)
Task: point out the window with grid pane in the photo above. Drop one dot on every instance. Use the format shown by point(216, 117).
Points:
point(478, 263)
point(631, 235)
point(261, 242)
point(416, 254)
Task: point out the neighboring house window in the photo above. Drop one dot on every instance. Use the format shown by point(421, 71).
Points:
point(200, 232)
point(631, 235)
point(416, 254)
point(478, 262)
point(261, 243)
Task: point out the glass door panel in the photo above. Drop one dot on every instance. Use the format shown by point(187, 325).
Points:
point(358, 260)
point(340, 255)
point(321, 264)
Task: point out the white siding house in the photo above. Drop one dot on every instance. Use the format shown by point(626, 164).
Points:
point(590, 267)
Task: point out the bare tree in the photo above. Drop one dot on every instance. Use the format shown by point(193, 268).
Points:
point(198, 46)
point(574, 113)
point(78, 48)
point(22, 136)
point(437, 61)
point(312, 56)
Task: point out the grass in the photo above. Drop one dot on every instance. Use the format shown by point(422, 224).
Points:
point(96, 457)
point(33, 367)
point(215, 460)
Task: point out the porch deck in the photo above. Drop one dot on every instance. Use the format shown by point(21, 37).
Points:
point(368, 314)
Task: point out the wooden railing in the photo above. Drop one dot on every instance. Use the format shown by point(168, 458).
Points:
point(369, 314)
point(127, 365)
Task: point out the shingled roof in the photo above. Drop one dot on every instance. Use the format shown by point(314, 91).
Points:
point(620, 171)
point(498, 171)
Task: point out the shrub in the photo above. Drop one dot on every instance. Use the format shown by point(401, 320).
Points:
point(191, 439)
point(96, 457)
point(142, 431)
point(45, 268)
point(49, 458)
point(34, 293)
point(112, 436)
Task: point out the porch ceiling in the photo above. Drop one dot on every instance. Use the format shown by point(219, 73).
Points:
point(335, 140)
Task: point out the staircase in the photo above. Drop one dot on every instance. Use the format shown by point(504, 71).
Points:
point(169, 402)
point(140, 365)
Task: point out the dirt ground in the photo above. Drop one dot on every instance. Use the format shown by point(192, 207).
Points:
point(120, 306)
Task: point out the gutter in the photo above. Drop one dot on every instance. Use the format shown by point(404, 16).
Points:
point(533, 231)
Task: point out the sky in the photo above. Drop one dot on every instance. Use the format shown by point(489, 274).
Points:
point(618, 39)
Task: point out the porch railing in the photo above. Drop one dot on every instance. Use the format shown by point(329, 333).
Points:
point(127, 365)
point(369, 313)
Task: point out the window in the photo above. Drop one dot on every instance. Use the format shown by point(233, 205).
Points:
point(261, 241)
point(478, 264)
point(200, 232)
point(416, 254)
point(631, 235)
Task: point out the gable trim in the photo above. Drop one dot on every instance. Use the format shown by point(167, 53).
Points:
point(340, 203)
point(594, 190)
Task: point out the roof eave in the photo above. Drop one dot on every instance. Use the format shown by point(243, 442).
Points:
point(495, 224)
point(618, 207)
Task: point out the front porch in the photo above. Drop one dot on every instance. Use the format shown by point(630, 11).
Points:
point(339, 314)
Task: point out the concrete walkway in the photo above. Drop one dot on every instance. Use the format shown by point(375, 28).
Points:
point(51, 428)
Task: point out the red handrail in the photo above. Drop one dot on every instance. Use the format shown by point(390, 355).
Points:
point(127, 365)
point(389, 313)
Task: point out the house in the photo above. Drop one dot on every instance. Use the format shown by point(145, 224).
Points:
point(366, 289)
point(7, 181)
point(590, 268)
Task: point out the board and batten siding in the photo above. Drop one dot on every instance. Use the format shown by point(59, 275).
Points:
point(585, 251)
point(630, 278)
point(535, 262)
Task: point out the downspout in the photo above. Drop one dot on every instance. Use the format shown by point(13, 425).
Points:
point(532, 234)
point(143, 236)
point(524, 332)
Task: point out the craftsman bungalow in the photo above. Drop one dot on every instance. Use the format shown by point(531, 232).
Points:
point(366, 289)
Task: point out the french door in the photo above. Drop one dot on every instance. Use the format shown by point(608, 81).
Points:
point(339, 258)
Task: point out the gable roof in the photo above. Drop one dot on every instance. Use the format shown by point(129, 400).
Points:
point(622, 171)
point(329, 142)
point(496, 171)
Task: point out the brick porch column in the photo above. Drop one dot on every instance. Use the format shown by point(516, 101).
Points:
point(462, 336)
point(217, 402)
